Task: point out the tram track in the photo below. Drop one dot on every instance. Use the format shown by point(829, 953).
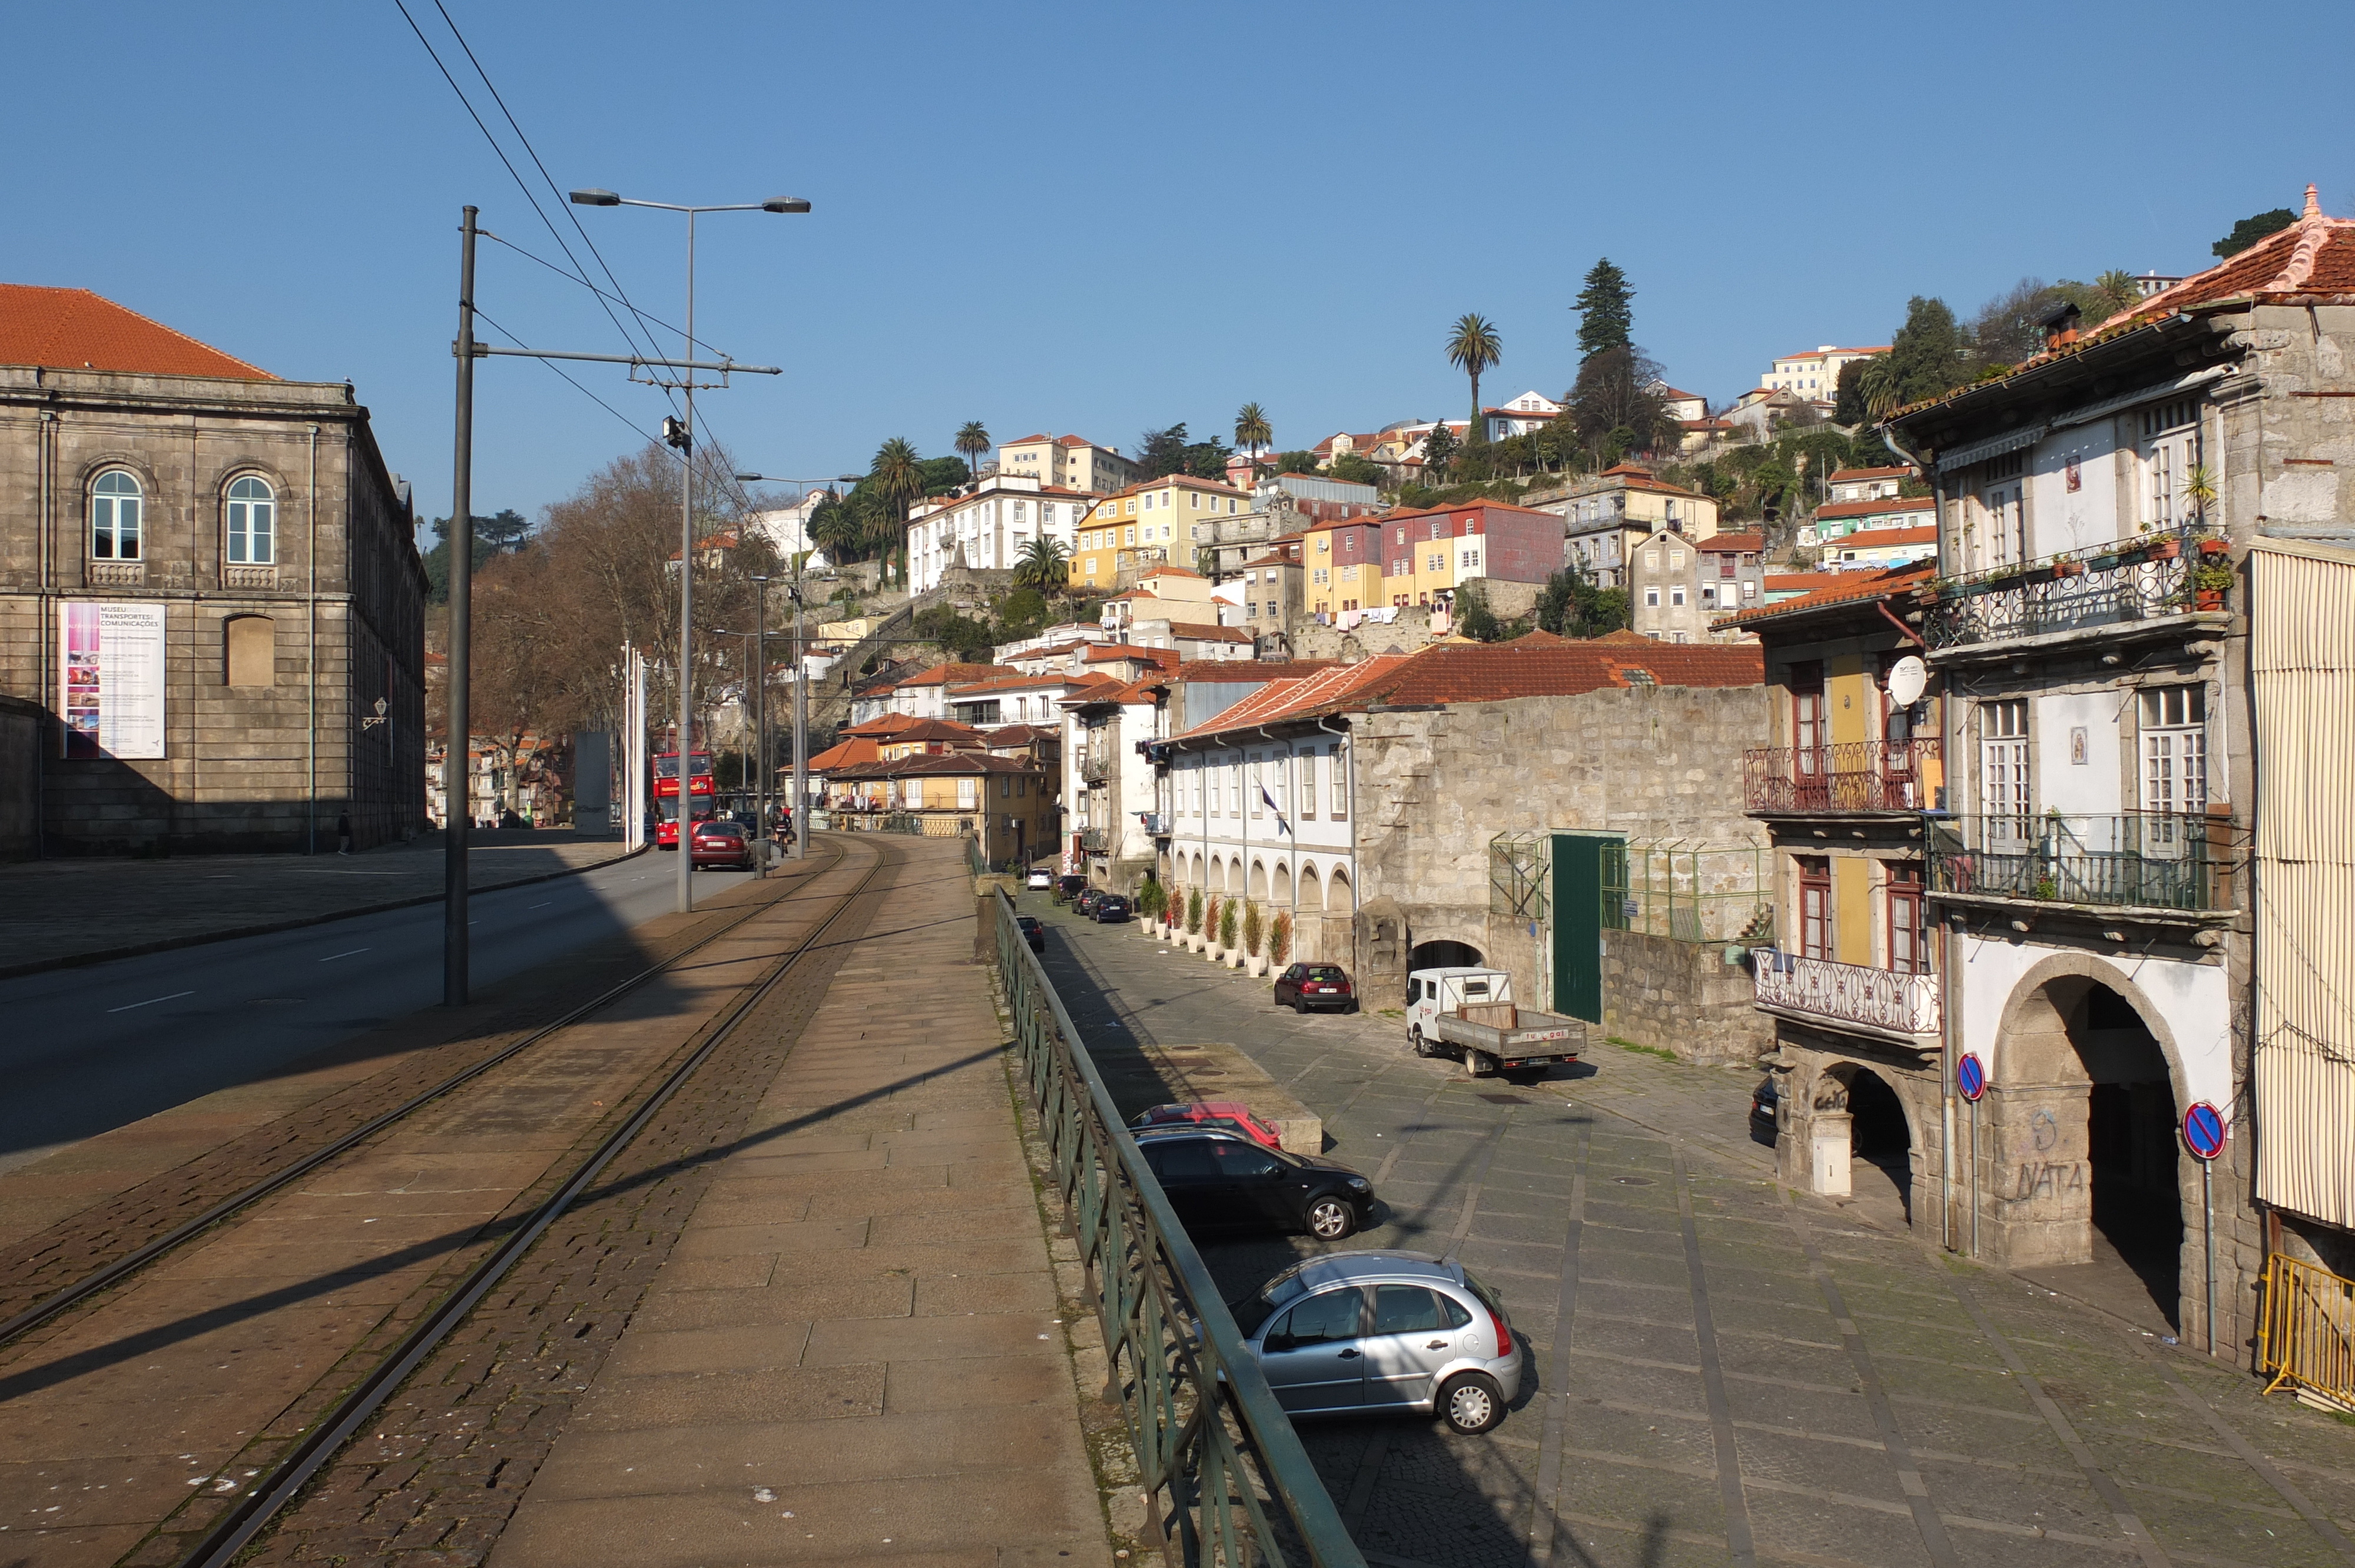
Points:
point(153, 1251)
point(370, 1362)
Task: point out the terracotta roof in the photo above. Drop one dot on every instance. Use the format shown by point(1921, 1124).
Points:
point(1721, 544)
point(1871, 538)
point(931, 729)
point(1021, 735)
point(1635, 478)
point(1273, 559)
point(1169, 572)
point(1850, 475)
point(1874, 508)
point(1801, 582)
point(882, 723)
point(1104, 652)
point(1223, 670)
point(1838, 587)
point(1026, 440)
point(951, 762)
point(1448, 672)
point(74, 329)
point(848, 754)
point(1197, 631)
point(2316, 255)
point(1819, 352)
point(1008, 681)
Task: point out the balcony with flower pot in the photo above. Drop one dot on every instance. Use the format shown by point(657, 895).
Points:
point(1842, 778)
point(2156, 585)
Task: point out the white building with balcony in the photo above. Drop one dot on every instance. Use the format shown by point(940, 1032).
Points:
point(989, 526)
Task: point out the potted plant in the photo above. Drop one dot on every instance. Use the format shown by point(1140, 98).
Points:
point(2163, 548)
point(1254, 933)
point(2210, 546)
point(2067, 566)
point(1229, 918)
point(1152, 902)
point(1210, 913)
point(1279, 940)
point(2209, 581)
point(1193, 917)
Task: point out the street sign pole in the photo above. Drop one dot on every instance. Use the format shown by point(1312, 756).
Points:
point(2203, 1134)
point(457, 757)
point(1970, 1079)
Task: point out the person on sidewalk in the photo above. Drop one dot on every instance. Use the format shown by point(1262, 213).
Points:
point(344, 833)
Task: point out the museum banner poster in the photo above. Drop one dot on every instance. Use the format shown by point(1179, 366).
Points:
point(112, 682)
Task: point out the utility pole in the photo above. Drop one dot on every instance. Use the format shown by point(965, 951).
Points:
point(760, 721)
point(457, 806)
point(801, 728)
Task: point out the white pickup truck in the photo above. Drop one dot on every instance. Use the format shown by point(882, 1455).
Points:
point(1470, 1012)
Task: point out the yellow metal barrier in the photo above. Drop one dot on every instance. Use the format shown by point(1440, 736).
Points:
point(2308, 1337)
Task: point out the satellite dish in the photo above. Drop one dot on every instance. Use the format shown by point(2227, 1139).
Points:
point(1907, 679)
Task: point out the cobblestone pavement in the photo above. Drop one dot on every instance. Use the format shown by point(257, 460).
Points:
point(153, 1403)
point(856, 1348)
point(1726, 1371)
point(79, 910)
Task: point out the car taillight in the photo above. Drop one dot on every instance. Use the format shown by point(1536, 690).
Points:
point(1504, 1335)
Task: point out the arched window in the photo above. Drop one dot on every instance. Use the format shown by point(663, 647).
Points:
point(115, 505)
point(252, 523)
point(251, 651)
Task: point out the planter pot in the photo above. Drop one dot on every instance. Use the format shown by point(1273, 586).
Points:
point(2216, 546)
point(1257, 967)
point(2207, 598)
point(2107, 563)
point(2068, 568)
point(2164, 549)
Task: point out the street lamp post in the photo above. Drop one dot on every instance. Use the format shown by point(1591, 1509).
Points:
point(800, 805)
point(681, 434)
point(761, 723)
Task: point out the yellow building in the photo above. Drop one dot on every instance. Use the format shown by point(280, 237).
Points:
point(1145, 524)
point(1341, 567)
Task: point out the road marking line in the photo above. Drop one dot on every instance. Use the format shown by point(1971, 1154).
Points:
point(541, 904)
point(151, 1001)
point(331, 957)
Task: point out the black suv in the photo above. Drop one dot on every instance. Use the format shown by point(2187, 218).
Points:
point(1216, 1178)
point(1109, 909)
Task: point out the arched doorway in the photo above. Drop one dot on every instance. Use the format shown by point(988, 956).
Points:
point(2130, 1144)
point(1218, 874)
point(1256, 889)
point(1312, 896)
point(1279, 886)
point(1443, 955)
point(1878, 1135)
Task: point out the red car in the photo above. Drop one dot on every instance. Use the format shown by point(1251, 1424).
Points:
point(1231, 1114)
point(1305, 986)
point(722, 846)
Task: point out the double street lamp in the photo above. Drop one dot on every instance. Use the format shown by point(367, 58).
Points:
point(680, 433)
point(800, 807)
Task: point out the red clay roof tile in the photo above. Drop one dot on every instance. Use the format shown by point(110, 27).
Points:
point(74, 329)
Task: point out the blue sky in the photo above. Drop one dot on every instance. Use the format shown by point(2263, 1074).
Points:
point(1102, 218)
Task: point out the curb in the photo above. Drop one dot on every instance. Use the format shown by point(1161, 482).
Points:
point(269, 927)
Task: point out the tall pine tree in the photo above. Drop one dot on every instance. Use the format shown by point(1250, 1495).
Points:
point(1607, 316)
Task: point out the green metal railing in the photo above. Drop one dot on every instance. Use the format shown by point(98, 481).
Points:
point(1227, 1483)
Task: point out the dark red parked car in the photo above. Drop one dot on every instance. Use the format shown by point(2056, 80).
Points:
point(722, 846)
point(1303, 987)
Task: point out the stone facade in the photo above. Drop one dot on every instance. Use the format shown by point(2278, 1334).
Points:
point(1649, 762)
point(267, 749)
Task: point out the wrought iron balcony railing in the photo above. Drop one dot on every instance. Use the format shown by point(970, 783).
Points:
point(1847, 776)
point(2147, 860)
point(2133, 581)
point(1095, 768)
point(1096, 840)
point(1846, 994)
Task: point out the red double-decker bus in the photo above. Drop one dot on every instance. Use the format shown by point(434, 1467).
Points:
point(699, 795)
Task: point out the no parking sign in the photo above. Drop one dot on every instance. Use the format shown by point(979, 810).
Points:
point(2203, 1130)
point(1970, 1076)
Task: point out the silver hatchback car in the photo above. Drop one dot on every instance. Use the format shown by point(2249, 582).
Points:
point(1357, 1332)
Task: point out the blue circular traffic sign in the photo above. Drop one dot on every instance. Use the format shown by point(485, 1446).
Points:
point(2203, 1130)
point(1970, 1076)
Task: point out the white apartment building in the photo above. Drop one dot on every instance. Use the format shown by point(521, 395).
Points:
point(1067, 462)
point(1815, 373)
point(990, 527)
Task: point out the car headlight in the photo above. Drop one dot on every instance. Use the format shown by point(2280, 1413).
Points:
point(1360, 1184)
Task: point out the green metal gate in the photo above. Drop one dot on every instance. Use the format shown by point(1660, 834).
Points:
point(1589, 881)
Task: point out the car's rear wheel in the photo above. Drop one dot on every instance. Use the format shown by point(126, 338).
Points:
point(1483, 1064)
point(1471, 1402)
point(1329, 1219)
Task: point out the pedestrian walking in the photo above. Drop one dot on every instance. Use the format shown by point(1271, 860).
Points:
point(344, 833)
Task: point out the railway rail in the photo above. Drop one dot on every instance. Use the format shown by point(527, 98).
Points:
point(264, 1495)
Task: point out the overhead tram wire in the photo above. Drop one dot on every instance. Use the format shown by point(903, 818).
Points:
point(580, 274)
point(563, 203)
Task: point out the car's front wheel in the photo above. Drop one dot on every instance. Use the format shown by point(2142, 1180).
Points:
point(1421, 1046)
point(1329, 1219)
point(1471, 1402)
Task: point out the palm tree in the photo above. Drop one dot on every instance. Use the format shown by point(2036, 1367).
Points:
point(898, 475)
point(1252, 432)
point(1472, 348)
point(1044, 562)
point(972, 441)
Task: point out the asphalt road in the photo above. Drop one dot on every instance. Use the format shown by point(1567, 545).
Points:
point(1724, 1372)
point(87, 1050)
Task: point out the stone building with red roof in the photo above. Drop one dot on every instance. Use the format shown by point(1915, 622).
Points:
point(209, 596)
point(2146, 557)
point(1367, 800)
